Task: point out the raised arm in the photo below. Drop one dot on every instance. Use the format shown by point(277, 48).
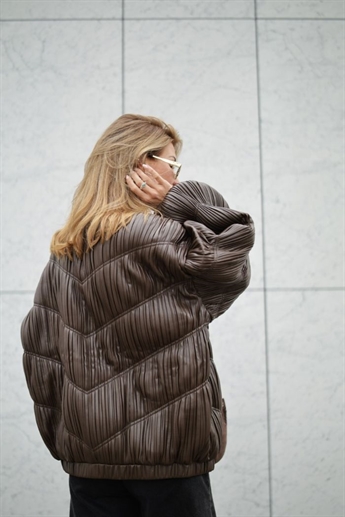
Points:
point(218, 245)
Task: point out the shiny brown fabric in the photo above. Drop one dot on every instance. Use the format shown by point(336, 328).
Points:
point(117, 354)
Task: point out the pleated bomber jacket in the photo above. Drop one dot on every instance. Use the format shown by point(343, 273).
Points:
point(117, 355)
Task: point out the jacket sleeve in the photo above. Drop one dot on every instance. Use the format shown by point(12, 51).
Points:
point(218, 243)
point(42, 365)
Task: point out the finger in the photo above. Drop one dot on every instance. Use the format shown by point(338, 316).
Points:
point(135, 188)
point(134, 180)
point(155, 175)
point(141, 180)
point(149, 195)
point(147, 178)
point(151, 177)
point(130, 182)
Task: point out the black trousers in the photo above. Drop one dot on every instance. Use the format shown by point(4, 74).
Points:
point(182, 497)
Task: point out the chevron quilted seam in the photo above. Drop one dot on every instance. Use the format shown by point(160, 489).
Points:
point(156, 295)
point(145, 417)
point(157, 352)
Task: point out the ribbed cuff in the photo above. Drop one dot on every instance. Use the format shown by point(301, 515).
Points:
point(178, 205)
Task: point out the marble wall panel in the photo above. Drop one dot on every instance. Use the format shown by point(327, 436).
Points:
point(240, 480)
point(301, 97)
point(306, 364)
point(189, 9)
point(61, 88)
point(300, 9)
point(60, 9)
point(33, 482)
point(201, 77)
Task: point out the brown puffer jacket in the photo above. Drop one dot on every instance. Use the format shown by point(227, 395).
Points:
point(117, 354)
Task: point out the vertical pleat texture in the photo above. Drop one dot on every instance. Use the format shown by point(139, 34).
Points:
point(116, 349)
point(49, 421)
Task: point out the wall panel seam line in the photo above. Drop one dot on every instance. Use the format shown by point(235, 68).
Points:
point(269, 458)
point(123, 57)
point(264, 18)
point(20, 20)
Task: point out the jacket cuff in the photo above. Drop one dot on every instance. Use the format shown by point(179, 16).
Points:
point(197, 201)
point(178, 205)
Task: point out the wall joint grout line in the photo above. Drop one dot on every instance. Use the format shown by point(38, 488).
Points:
point(123, 18)
point(233, 19)
point(269, 449)
point(123, 57)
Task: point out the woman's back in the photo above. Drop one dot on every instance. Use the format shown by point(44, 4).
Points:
point(117, 353)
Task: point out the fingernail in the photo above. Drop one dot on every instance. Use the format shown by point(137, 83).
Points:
point(144, 165)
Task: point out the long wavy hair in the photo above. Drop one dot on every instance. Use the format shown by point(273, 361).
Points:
point(102, 202)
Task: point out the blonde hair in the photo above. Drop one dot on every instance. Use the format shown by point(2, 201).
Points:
point(102, 203)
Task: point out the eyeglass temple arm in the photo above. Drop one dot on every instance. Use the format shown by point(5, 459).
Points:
point(166, 160)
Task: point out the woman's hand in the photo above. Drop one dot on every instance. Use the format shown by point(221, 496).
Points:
point(148, 186)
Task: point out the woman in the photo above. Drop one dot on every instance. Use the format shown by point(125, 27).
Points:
point(117, 354)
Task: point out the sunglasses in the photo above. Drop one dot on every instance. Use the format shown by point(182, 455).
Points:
point(176, 167)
